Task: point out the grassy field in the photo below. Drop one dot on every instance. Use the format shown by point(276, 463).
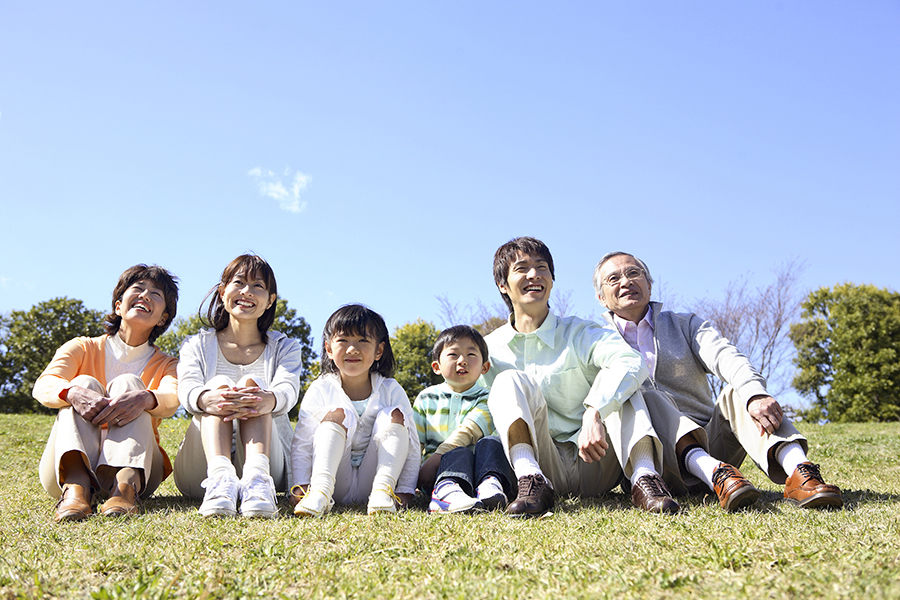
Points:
point(587, 549)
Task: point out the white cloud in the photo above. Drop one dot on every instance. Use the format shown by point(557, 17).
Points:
point(272, 186)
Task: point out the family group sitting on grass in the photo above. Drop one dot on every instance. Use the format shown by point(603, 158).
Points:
point(557, 405)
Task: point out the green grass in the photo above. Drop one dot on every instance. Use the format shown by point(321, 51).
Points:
point(587, 549)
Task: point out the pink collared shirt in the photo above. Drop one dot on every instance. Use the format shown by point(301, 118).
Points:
point(640, 337)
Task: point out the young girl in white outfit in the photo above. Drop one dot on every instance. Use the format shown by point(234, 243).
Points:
point(238, 380)
point(356, 440)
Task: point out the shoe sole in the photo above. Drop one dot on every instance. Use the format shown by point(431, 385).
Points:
point(824, 500)
point(742, 498)
point(477, 507)
point(261, 514)
point(217, 512)
point(71, 516)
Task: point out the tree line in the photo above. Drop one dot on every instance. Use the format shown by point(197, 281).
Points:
point(845, 346)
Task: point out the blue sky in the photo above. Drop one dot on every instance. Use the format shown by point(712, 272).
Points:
point(381, 152)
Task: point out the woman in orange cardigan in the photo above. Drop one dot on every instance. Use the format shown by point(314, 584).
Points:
point(111, 392)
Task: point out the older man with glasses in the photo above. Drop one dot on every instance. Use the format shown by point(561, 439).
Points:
point(680, 350)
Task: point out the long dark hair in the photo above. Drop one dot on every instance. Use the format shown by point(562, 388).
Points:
point(356, 319)
point(253, 267)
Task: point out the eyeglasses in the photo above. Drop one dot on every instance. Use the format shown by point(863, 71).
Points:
point(617, 277)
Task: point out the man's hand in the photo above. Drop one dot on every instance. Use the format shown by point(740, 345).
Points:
point(428, 472)
point(124, 409)
point(592, 443)
point(766, 412)
point(86, 403)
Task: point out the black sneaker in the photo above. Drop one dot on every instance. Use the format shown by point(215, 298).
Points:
point(535, 497)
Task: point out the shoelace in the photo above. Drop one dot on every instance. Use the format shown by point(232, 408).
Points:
point(653, 486)
point(722, 473)
point(810, 471)
point(527, 485)
point(222, 487)
point(256, 488)
point(390, 492)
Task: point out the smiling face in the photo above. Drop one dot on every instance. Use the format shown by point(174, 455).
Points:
point(245, 298)
point(353, 354)
point(461, 364)
point(528, 284)
point(629, 297)
point(142, 307)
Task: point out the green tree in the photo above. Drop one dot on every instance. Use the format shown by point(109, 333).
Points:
point(170, 342)
point(29, 339)
point(412, 345)
point(848, 346)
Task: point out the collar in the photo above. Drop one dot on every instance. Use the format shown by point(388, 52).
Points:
point(125, 353)
point(475, 390)
point(546, 332)
point(622, 323)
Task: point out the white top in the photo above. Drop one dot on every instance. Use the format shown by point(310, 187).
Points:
point(122, 358)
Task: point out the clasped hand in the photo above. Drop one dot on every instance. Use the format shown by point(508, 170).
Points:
point(100, 410)
point(238, 403)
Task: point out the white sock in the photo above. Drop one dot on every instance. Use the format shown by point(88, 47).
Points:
point(642, 460)
point(523, 460)
point(219, 465)
point(789, 456)
point(328, 449)
point(256, 464)
point(391, 456)
point(701, 464)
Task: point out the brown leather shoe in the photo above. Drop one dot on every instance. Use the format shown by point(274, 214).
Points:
point(73, 505)
point(806, 488)
point(535, 497)
point(650, 493)
point(123, 502)
point(733, 489)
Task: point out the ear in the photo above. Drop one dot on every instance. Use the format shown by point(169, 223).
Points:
point(436, 367)
point(485, 367)
point(328, 349)
point(602, 300)
point(379, 351)
point(162, 320)
point(272, 299)
point(502, 288)
point(118, 305)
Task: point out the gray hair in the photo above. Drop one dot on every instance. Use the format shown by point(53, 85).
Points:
point(598, 285)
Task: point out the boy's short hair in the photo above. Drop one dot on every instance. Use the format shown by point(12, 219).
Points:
point(456, 333)
point(162, 278)
point(506, 255)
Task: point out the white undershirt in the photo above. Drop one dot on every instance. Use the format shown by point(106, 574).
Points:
point(256, 369)
point(122, 358)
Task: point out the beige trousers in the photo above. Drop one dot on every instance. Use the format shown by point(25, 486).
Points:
point(131, 445)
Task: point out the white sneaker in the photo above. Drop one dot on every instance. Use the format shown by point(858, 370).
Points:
point(448, 497)
point(383, 500)
point(490, 492)
point(258, 496)
point(315, 503)
point(221, 495)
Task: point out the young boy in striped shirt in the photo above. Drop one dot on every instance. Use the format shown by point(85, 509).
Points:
point(463, 469)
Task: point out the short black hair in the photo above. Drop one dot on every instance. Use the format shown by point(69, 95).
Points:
point(356, 319)
point(507, 254)
point(456, 333)
point(167, 282)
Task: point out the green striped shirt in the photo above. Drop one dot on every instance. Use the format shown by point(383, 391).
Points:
point(438, 411)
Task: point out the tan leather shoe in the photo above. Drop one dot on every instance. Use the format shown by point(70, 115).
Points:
point(73, 505)
point(650, 493)
point(806, 488)
point(733, 489)
point(124, 501)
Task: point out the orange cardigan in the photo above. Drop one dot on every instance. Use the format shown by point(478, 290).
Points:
point(87, 356)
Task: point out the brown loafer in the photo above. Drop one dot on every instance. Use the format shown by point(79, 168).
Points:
point(73, 505)
point(124, 502)
point(806, 488)
point(650, 493)
point(733, 489)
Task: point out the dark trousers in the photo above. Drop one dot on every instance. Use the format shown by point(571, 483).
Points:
point(470, 468)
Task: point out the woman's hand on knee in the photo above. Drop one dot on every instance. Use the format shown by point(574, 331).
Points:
point(125, 408)
point(86, 403)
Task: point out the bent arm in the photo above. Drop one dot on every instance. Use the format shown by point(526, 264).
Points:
point(54, 382)
point(621, 373)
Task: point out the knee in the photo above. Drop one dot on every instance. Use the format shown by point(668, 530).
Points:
point(89, 383)
point(335, 416)
point(247, 381)
point(127, 382)
point(397, 417)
